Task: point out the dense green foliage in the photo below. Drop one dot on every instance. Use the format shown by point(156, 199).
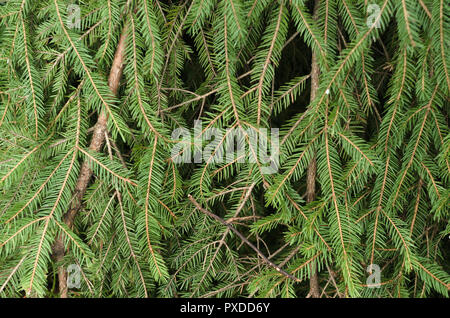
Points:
point(377, 128)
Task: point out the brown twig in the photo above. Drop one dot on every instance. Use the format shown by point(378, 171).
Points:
point(243, 238)
point(314, 290)
point(97, 141)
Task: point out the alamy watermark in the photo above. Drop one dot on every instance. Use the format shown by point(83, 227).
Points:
point(73, 16)
point(74, 276)
point(374, 279)
point(374, 14)
point(231, 145)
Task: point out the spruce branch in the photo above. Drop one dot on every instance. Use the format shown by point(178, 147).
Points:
point(98, 138)
point(243, 238)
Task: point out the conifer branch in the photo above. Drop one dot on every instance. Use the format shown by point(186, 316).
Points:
point(244, 239)
point(98, 138)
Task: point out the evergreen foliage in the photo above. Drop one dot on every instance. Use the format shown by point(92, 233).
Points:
point(377, 128)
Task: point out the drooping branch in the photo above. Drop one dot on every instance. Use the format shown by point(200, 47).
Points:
point(97, 141)
point(314, 291)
